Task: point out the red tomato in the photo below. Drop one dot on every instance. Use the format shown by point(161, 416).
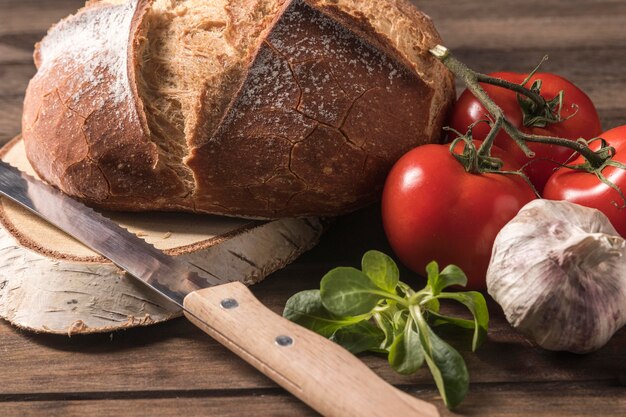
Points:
point(584, 124)
point(586, 189)
point(434, 210)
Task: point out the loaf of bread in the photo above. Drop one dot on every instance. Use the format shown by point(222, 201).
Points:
point(254, 108)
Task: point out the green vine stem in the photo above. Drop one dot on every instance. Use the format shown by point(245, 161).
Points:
point(472, 79)
point(518, 88)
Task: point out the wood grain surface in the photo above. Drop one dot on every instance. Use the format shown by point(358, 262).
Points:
point(174, 369)
point(322, 374)
point(61, 286)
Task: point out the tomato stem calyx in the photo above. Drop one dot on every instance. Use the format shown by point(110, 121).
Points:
point(479, 161)
point(536, 110)
point(475, 161)
point(549, 113)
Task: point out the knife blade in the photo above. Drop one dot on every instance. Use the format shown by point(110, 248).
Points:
point(163, 273)
point(314, 369)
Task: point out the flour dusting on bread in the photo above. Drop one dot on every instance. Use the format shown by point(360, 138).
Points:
point(90, 45)
point(253, 108)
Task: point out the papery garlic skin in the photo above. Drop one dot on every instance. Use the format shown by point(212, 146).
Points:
point(558, 270)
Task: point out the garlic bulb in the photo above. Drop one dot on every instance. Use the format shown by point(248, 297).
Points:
point(559, 272)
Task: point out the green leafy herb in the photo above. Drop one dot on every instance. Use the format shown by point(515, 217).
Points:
point(446, 365)
point(475, 302)
point(349, 292)
point(406, 355)
point(451, 275)
point(359, 337)
point(372, 310)
point(381, 269)
point(306, 309)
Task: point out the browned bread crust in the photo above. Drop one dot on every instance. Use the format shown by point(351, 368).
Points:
point(239, 107)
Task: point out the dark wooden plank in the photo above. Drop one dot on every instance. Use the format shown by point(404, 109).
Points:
point(13, 82)
point(25, 22)
point(14, 79)
point(534, 24)
point(165, 357)
point(473, 29)
point(535, 399)
point(263, 406)
point(176, 356)
point(509, 10)
point(156, 371)
point(10, 117)
point(33, 16)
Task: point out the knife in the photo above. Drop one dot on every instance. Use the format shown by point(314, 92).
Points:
point(322, 374)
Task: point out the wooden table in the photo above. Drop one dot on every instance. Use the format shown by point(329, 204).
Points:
point(175, 370)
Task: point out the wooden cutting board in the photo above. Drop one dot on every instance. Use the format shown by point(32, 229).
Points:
point(51, 283)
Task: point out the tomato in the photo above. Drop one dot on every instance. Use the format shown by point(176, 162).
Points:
point(586, 189)
point(584, 123)
point(433, 209)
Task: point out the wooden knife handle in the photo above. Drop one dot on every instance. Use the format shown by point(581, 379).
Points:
point(319, 372)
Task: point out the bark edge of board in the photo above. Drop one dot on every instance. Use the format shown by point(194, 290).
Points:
point(45, 290)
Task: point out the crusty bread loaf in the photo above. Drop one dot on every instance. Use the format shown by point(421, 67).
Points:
point(258, 108)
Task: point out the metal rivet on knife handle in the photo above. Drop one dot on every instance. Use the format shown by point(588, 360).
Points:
point(229, 303)
point(321, 373)
point(284, 341)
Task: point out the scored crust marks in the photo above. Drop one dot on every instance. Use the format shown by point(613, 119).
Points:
point(317, 117)
point(317, 101)
point(80, 124)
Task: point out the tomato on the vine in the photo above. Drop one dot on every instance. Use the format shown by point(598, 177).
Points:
point(433, 209)
point(578, 114)
point(586, 189)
